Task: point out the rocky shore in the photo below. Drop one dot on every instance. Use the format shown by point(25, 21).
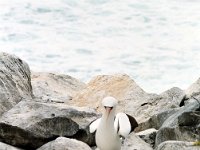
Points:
point(46, 111)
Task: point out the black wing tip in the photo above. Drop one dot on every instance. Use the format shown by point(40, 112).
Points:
point(133, 122)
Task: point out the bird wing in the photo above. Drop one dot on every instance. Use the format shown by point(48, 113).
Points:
point(94, 125)
point(124, 124)
point(133, 122)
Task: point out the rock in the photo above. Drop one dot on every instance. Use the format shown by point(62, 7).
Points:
point(133, 100)
point(173, 119)
point(156, 104)
point(120, 86)
point(62, 143)
point(193, 89)
point(148, 136)
point(157, 120)
point(177, 145)
point(49, 87)
point(190, 123)
point(133, 142)
point(191, 118)
point(172, 130)
point(4, 146)
point(15, 81)
point(105, 85)
point(162, 106)
point(174, 97)
point(29, 125)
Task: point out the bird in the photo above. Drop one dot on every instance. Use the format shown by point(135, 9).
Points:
point(111, 128)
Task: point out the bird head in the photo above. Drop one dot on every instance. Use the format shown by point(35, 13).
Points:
point(109, 103)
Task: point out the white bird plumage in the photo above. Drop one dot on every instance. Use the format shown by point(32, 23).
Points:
point(94, 125)
point(122, 124)
point(109, 128)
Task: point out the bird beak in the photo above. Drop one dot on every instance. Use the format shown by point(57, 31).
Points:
point(108, 110)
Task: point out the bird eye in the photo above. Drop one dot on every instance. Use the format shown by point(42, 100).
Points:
point(108, 107)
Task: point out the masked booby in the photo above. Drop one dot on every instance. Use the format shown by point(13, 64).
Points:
point(111, 127)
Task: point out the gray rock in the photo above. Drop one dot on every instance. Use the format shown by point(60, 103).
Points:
point(173, 96)
point(190, 121)
point(30, 124)
point(49, 87)
point(15, 81)
point(62, 143)
point(4, 146)
point(193, 89)
point(173, 119)
point(148, 136)
point(191, 118)
point(159, 108)
point(177, 145)
point(172, 130)
point(157, 120)
point(133, 142)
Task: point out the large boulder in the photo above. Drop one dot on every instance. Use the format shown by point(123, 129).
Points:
point(29, 125)
point(167, 101)
point(49, 87)
point(161, 107)
point(4, 146)
point(15, 81)
point(62, 143)
point(132, 99)
point(181, 125)
point(177, 145)
point(118, 86)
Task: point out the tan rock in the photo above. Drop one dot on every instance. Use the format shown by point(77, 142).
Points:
point(120, 86)
point(132, 99)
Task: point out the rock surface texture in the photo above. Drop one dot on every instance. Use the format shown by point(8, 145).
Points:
point(30, 124)
point(52, 110)
point(4, 146)
point(148, 136)
point(194, 89)
point(134, 142)
point(49, 87)
point(132, 99)
point(177, 145)
point(62, 143)
point(15, 81)
point(177, 128)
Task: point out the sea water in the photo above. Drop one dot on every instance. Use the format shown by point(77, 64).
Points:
point(155, 42)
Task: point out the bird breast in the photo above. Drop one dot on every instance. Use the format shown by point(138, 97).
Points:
point(107, 138)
